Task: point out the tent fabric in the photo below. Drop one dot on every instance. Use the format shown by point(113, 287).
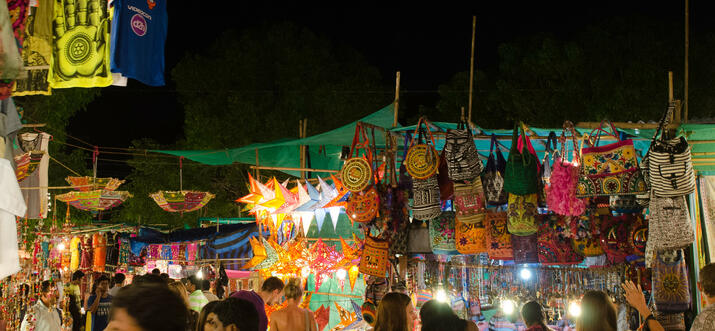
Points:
point(702, 141)
point(233, 245)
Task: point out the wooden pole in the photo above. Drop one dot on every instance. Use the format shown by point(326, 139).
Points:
point(258, 170)
point(296, 169)
point(397, 98)
point(670, 86)
point(305, 148)
point(461, 115)
point(471, 67)
point(687, 51)
point(300, 148)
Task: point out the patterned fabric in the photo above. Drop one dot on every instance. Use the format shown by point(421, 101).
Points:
point(525, 249)
point(99, 247)
point(181, 201)
point(554, 244)
point(154, 252)
point(705, 320)
point(471, 237)
point(585, 230)
point(671, 291)
point(667, 214)
point(610, 170)
point(671, 322)
point(27, 163)
point(94, 200)
point(522, 213)
point(234, 245)
point(498, 238)
point(374, 257)
point(442, 234)
point(670, 168)
point(363, 206)
point(492, 178)
point(165, 252)
point(426, 203)
point(469, 201)
point(37, 49)
point(82, 183)
point(614, 237)
point(463, 161)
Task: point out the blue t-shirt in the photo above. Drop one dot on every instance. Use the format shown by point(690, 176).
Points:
point(139, 32)
point(100, 319)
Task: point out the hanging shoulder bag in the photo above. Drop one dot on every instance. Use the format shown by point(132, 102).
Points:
point(554, 243)
point(669, 226)
point(522, 212)
point(374, 257)
point(422, 159)
point(522, 167)
point(463, 161)
point(614, 238)
point(469, 201)
point(426, 203)
point(492, 179)
point(441, 233)
point(357, 173)
point(561, 194)
point(670, 165)
point(671, 290)
point(499, 245)
point(470, 237)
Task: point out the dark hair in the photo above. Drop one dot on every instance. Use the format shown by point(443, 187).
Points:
point(164, 276)
point(208, 308)
point(119, 278)
point(391, 314)
point(597, 313)
point(238, 312)
point(196, 281)
point(154, 307)
point(205, 285)
point(77, 275)
point(46, 285)
point(271, 284)
point(155, 271)
point(437, 315)
point(707, 279)
point(533, 314)
point(149, 279)
point(97, 281)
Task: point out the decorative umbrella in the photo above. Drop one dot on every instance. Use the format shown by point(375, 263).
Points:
point(94, 200)
point(181, 201)
point(87, 183)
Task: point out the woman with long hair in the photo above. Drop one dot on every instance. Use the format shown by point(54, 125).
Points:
point(292, 317)
point(395, 313)
point(597, 313)
point(439, 316)
point(534, 317)
point(192, 315)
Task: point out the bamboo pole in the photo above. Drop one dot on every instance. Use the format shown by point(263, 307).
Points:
point(305, 148)
point(670, 86)
point(397, 98)
point(471, 67)
point(301, 154)
point(294, 169)
point(39, 125)
point(257, 168)
point(687, 52)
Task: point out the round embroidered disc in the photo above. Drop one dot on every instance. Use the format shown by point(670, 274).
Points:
point(356, 174)
point(421, 161)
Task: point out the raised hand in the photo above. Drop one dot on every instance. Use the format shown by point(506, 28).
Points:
point(81, 37)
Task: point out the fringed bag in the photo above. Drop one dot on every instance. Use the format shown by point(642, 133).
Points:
point(561, 194)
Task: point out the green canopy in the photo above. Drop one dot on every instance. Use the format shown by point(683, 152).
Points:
point(702, 140)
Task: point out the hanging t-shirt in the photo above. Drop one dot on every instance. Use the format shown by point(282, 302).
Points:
point(99, 245)
point(35, 193)
point(80, 56)
point(138, 37)
point(100, 319)
point(37, 49)
point(11, 205)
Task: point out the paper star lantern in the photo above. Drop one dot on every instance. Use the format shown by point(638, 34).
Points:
point(254, 195)
point(271, 257)
point(341, 197)
point(259, 254)
point(290, 200)
point(353, 274)
point(278, 198)
point(327, 194)
point(314, 196)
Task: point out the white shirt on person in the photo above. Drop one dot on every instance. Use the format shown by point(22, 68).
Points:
point(43, 318)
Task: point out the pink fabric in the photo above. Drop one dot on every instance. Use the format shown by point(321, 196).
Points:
point(192, 251)
point(561, 194)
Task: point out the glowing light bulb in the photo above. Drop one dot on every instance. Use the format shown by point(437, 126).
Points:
point(508, 307)
point(574, 309)
point(354, 268)
point(61, 246)
point(441, 295)
point(525, 274)
point(305, 272)
point(200, 274)
point(341, 273)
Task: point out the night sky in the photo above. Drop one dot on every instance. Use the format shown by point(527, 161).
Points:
point(428, 44)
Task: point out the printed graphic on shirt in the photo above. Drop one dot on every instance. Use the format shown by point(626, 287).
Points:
point(80, 52)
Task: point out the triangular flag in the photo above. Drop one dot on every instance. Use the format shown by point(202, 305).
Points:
point(353, 274)
point(334, 214)
point(327, 194)
point(320, 218)
point(314, 196)
point(305, 223)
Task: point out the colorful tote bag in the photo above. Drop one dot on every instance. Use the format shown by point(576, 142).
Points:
point(638, 235)
point(522, 167)
point(525, 249)
point(471, 236)
point(357, 173)
point(522, 212)
point(469, 201)
point(670, 165)
point(492, 178)
point(610, 169)
point(362, 207)
point(374, 257)
point(554, 243)
point(671, 290)
point(463, 161)
point(614, 237)
point(442, 234)
point(499, 246)
point(422, 159)
point(561, 194)
point(426, 203)
point(585, 235)
point(669, 226)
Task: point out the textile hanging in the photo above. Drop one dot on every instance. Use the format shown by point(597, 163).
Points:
point(181, 201)
point(88, 183)
point(36, 199)
point(94, 200)
point(707, 197)
point(234, 245)
point(36, 50)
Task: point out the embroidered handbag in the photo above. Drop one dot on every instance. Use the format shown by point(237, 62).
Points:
point(362, 207)
point(545, 172)
point(422, 159)
point(561, 194)
point(638, 235)
point(522, 211)
point(463, 161)
point(492, 179)
point(357, 173)
point(586, 236)
point(499, 245)
point(525, 249)
point(426, 203)
point(441, 234)
point(374, 257)
point(469, 201)
point(554, 243)
point(671, 290)
point(614, 238)
point(670, 166)
point(610, 169)
point(471, 237)
point(522, 169)
point(418, 241)
point(669, 226)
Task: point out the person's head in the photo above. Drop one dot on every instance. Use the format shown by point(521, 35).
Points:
point(597, 313)
point(205, 285)
point(193, 284)
point(147, 307)
point(156, 271)
point(180, 289)
point(232, 314)
point(201, 321)
point(149, 279)
point(119, 279)
point(395, 313)
point(48, 292)
point(533, 314)
point(706, 285)
point(164, 276)
point(293, 290)
point(102, 283)
point(77, 277)
point(271, 290)
point(437, 315)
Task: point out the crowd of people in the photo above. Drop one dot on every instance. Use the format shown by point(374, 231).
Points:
point(154, 302)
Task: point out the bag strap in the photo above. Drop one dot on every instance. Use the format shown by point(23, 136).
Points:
point(419, 132)
point(529, 146)
point(493, 144)
point(361, 141)
point(600, 130)
point(569, 127)
point(664, 121)
point(514, 138)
